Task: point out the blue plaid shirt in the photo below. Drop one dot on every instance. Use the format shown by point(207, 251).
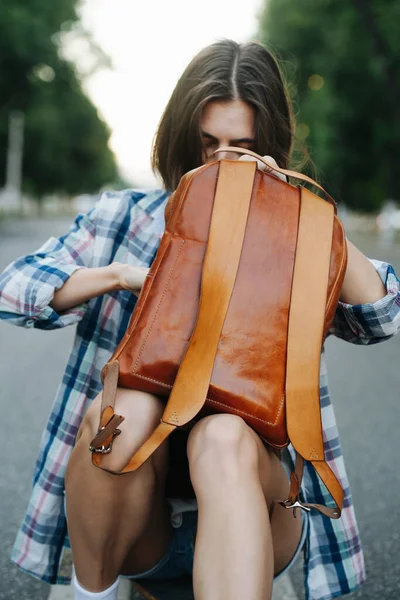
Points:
point(127, 227)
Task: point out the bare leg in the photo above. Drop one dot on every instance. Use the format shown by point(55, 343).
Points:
point(236, 479)
point(117, 521)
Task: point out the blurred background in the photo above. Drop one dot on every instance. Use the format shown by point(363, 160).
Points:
point(82, 87)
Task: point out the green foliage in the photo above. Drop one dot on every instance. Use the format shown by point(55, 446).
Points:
point(66, 142)
point(343, 59)
point(27, 28)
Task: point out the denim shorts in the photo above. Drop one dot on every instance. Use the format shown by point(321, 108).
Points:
point(178, 560)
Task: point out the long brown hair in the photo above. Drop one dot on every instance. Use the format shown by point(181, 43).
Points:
point(224, 70)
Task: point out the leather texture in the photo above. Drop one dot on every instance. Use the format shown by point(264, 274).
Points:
point(254, 337)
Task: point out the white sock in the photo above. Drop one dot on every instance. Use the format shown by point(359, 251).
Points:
point(81, 594)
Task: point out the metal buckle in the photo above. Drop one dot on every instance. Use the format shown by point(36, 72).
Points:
point(104, 449)
point(295, 505)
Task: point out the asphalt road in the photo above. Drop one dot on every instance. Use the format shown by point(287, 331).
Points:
point(365, 384)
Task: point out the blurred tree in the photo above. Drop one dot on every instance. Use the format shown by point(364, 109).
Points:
point(343, 60)
point(66, 142)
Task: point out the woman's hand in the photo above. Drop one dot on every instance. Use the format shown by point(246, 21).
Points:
point(264, 167)
point(131, 278)
point(87, 283)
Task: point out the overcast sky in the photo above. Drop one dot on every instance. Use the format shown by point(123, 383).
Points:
point(150, 43)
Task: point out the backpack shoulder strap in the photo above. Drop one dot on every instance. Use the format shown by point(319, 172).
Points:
point(305, 338)
point(221, 263)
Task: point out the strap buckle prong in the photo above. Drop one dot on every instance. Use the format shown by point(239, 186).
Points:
point(288, 504)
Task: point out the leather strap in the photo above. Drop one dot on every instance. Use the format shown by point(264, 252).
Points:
point(110, 384)
point(222, 258)
point(221, 263)
point(109, 421)
point(286, 172)
point(330, 481)
point(305, 338)
point(334, 488)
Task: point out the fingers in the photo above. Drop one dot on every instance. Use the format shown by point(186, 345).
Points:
point(264, 167)
point(260, 165)
point(132, 277)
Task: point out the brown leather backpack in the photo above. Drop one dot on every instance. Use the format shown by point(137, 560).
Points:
point(234, 312)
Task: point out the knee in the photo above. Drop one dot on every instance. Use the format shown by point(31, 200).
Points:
point(142, 413)
point(222, 446)
point(139, 409)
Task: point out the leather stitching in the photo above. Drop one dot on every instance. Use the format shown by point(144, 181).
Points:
point(159, 306)
point(136, 315)
point(251, 416)
point(273, 424)
point(167, 385)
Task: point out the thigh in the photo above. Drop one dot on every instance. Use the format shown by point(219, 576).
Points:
point(286, 529)
point(177, 562)
point(144, 489)
point(146, 552)
point(154, 542)
point(142, 413)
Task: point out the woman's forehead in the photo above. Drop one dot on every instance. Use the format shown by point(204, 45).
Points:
point(228, 118)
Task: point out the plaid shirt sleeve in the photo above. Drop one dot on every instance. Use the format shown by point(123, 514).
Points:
point(365, 324)
point(27, 285)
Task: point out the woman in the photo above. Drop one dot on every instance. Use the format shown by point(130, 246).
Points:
point(229, 94)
